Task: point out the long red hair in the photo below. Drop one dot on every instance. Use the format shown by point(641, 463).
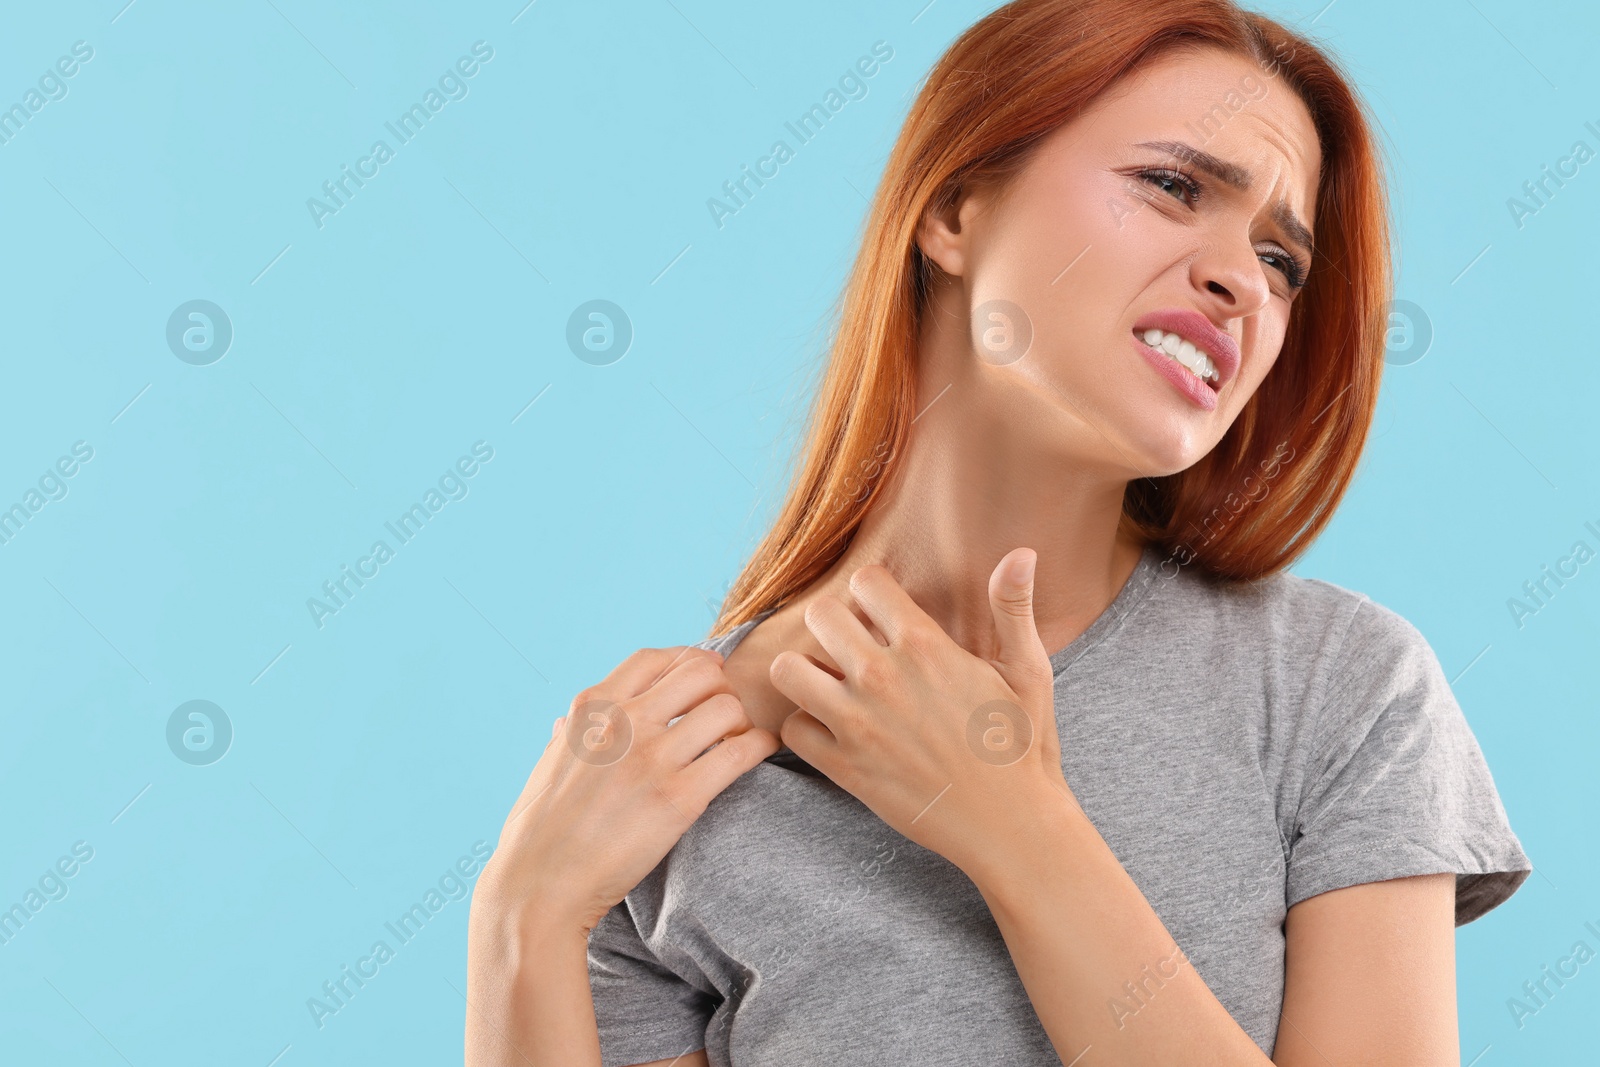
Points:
point(1019, 73)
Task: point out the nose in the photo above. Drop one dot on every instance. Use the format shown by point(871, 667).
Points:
point(1231, 275)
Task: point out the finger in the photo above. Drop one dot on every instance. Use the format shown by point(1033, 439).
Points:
point(647, 666)
point(811, 740)
point(1022, 660)
point(689, 682)
point(808, 685)
point(889, 607)
point(719, 716)
point(714, 771)
point(840, 633)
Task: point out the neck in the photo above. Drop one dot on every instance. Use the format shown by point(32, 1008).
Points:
point(972, 484)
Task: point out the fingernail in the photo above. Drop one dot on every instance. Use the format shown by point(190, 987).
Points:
point(1021, 569)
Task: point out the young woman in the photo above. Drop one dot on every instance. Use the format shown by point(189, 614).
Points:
point(1015, 742)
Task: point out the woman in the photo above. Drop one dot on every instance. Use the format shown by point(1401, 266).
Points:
point(1015, 742)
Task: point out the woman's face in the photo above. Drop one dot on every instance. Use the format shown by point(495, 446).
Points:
point(1120, 226)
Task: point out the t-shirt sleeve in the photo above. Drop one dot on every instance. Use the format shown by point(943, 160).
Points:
point(644, 1010)
point(1396, 784)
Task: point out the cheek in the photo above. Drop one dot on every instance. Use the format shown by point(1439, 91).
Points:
point(1135, 227)
point(1256, 368)
point(1077, 256)
point(1083, 230)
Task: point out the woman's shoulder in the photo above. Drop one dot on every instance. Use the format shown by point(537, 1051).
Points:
point(1319, 631)
point(1290, 604)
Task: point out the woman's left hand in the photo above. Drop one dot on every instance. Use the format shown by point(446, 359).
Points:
point(943, 745)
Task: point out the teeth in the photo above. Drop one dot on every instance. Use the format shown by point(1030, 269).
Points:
point(1184, 352)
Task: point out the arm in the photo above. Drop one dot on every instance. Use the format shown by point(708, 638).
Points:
point(533, 1006)
point(1050, 861)
point(528, 997)
point(1383, 953)
point(1369, 970)
point(627, 770)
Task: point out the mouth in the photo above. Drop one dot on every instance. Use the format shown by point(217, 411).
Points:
point(1197, 361)
point(1196, 389)
point(1189, 351)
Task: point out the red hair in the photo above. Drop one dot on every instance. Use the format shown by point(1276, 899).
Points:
point(1011, 79)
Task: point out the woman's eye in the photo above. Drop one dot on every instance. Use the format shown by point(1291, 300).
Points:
point(1290, 267)
point(1169, 181)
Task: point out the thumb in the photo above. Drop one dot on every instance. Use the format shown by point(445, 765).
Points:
point(1023, 660)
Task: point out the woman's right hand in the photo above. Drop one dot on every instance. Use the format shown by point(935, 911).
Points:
point(616, 787)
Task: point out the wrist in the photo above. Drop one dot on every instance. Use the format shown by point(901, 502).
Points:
point(1014, 850)
point(517, 915)
point(519, 949)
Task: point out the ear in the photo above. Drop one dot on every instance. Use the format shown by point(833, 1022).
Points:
point(944, 233)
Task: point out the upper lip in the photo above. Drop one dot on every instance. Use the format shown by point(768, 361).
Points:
point(1198, 331)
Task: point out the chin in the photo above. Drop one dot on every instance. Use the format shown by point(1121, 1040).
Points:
point(1139, 435)
point(1166, 446)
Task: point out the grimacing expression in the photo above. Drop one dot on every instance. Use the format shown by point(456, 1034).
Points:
point(1191, 184)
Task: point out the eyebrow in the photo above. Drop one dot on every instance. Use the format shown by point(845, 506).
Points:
point(1236, 176)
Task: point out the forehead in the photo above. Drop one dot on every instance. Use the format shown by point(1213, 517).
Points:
point(1222, 103)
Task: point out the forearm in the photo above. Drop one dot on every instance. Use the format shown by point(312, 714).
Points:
point(528, 997)
point(1099, 966)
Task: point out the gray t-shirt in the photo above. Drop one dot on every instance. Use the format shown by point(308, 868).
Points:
point(1240, 747)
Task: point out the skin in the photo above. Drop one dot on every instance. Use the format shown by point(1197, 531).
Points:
point(994, 544)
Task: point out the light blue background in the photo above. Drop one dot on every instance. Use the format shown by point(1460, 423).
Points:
point(426, 315)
